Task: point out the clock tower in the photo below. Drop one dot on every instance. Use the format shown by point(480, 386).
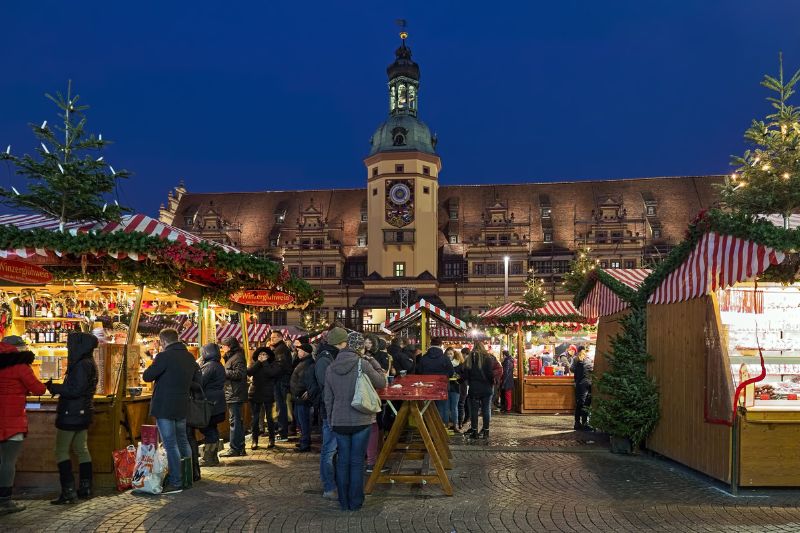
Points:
point(402, 181)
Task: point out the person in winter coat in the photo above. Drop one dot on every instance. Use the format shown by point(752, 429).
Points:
point(436, 362)
point(581, 369)
point(350, 426)
point(335, 341)
point(305, 393)
point(478, 372)
point(264, 370)
point(235, 394)
point(453, 388)
point(283, 355)
point(497, 378)
point(404, 358)
point(17, 380)
point(74, 415)
point(463, 389)
point(376, 347)
point(507, 383)
point(394, 349)
point(176, 375)
point(212, 379)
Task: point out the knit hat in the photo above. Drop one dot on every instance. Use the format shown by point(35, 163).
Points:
point(337, 335)
point(573, 348)
point(15, 340)
point(355, 342)
point(307, 348)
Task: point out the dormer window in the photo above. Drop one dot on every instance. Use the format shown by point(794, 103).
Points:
point(399, 136)
point(363, 216)
point(548, 236)
point(188, 220)
point(546, 211)
point(651, 210)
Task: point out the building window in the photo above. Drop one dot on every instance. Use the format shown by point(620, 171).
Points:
point(603, 264)
point(491, 269)
point(319, 243)
point(477, 269)
point(426, 190)
point(317, 271)
point(374, 171)
point(398, 237)
point(330, 271)
point(399, 270)
point(504, 239)
point(651, 210)
point(374, 191)
point(399, 169)
point(548, 236)
point(361, 241)
point(615, 264)
point(426, 170)
point(453, 239)
point(453, 213)
point(306, 271)
point(546, 211)
point(357, 270)
point(630, 263)
point(600, 237)
point(491, 240)
point(452, 269)
point(294, 271)
point(515, 268)
point(363, 216)
point(188, 221)
point(616, 237)
point(656, 233)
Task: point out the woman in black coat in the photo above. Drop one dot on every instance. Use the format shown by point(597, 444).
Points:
point(74, 415)
point(212, 379)
point(265, 372)
point(581, 369)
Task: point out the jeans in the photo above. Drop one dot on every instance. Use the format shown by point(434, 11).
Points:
point(350, 469)
point(480, 405)
point(211, 432)
point(237, 426)
point(173, 435)
point(442, 407)
point(583, 399)
point(326, 457)
point(283, 412)
point(255, 409)
point(453, 399)
point(9, 451)
point(302, 412)
point(463, 406)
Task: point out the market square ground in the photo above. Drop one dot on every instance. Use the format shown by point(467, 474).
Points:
point(534, 474)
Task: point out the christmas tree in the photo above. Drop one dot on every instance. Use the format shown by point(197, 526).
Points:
point(68, 181)
point(767, 178)
point(534, 296)
point(579, 269)
point(313, 321)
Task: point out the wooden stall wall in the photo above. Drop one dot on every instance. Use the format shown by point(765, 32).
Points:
point(676, 340)
point(607, 328)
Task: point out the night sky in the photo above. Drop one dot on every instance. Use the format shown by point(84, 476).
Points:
point(285, 95)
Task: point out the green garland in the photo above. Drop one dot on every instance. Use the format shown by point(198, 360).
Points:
point(526, 317)
point(626, 293)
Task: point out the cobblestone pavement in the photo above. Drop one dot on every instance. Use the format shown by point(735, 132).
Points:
point(534, 474)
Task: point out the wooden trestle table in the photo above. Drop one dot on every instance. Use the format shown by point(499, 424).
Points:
point(417, 406)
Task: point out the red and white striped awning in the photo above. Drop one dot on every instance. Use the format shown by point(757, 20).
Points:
point(255, 332)
point(189, 334)
point(407, 316)
point(602, 301)
point(128, 224)
point(554, 309)
point(445, 332)
point(717, 261)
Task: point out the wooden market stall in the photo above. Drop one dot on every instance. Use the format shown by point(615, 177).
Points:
point(606, 296)
point(542, 391)
point(427, 317)
point(711, 314)
point(97, 277)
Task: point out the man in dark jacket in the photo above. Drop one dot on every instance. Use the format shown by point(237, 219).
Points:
point(264, 371)
point(235, 394)
point(336, 340)
point(478, 372)
point(173, 370)
point(305, 393)
point(372, 346)
point(399, 358)
point(436, 362)
point(212, 379)
point(283, 356)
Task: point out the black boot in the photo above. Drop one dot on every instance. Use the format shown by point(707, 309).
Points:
point(67, 484)
point(472, 434)
point(85, 483)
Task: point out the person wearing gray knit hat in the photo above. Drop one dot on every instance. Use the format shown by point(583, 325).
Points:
point(336, 336)
point(355, 342)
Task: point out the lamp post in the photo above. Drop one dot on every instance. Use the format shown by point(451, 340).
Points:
point(506, 259)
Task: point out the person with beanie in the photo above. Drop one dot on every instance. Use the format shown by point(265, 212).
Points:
point(335, 340)
point(235, 394)
point(305, 393)
point(264, 371)
point(350, 426)
point(17, 380)
point(581, 369)
point(212, 379)
point(74, 415)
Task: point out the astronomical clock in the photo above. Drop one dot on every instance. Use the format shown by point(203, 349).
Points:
point(399, 202)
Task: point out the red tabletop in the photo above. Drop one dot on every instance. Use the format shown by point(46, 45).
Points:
point(434, 388)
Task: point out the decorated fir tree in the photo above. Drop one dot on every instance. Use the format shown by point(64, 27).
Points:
point(311, 321)
point(579, 269)
point(767, 177)
point(534, 296)
point(627, 405)
point(69, 180)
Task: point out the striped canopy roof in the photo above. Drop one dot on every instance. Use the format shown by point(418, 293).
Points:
point(408, 316)
point(717, 261)
point(560, 308)
point(255, 332)
point(601, 300)
point(128, 224)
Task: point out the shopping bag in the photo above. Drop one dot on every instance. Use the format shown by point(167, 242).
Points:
point(149, 434)
point(151, 467)
point(124, 466)
point(187, 473)
point(365, 397)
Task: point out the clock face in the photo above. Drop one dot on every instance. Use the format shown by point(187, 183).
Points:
point(400, 194)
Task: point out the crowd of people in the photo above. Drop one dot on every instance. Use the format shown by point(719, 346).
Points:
point(303, 383)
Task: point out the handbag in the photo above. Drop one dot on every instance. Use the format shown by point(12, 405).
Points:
point(199, 411)
point(365, 397)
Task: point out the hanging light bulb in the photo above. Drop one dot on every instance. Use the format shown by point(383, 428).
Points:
point(99, 158)
point(15, 190)
point(765, 168)
point(45, 148)
point(61, 168)
point(112, 170)
point(43, 126)
point(734, 176)
point(786, 175)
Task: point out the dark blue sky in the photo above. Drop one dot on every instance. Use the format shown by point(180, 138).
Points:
point(281, 95)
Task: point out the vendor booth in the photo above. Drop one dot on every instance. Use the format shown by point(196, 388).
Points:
point(723, 327)
point(121, 281)
point(429, 319)
point(606, 296)
point(541, 384)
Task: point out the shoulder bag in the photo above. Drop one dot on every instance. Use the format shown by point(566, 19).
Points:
point(365, 397)
point(199, 412)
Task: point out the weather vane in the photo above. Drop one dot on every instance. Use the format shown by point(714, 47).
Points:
point(402, 24)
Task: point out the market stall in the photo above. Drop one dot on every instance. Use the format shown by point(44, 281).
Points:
point(99, 277)
point(426, 317)
point(606, 297)
point(724, 298)
point(540, 387)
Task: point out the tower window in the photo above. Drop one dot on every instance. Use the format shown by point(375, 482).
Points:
point(399, 140)
point(426, 190)
point(374, 171)
point(399, 270)
point(361, 241)
point(374, 191)
point(651, 211)
point(548, 237)
point(426, 170)
point(399, 169)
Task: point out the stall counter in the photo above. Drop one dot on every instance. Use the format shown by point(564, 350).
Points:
point(548, 394)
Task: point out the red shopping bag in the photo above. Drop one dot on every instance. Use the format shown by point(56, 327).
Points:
point(124, 465)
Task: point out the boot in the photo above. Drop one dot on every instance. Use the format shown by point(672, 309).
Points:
point(85, 480)
point(484, 434)
point(67, 484)
point(7, 505)
point(472, 434)
point(195, 469)
point(254, 442)
point(210, 455)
